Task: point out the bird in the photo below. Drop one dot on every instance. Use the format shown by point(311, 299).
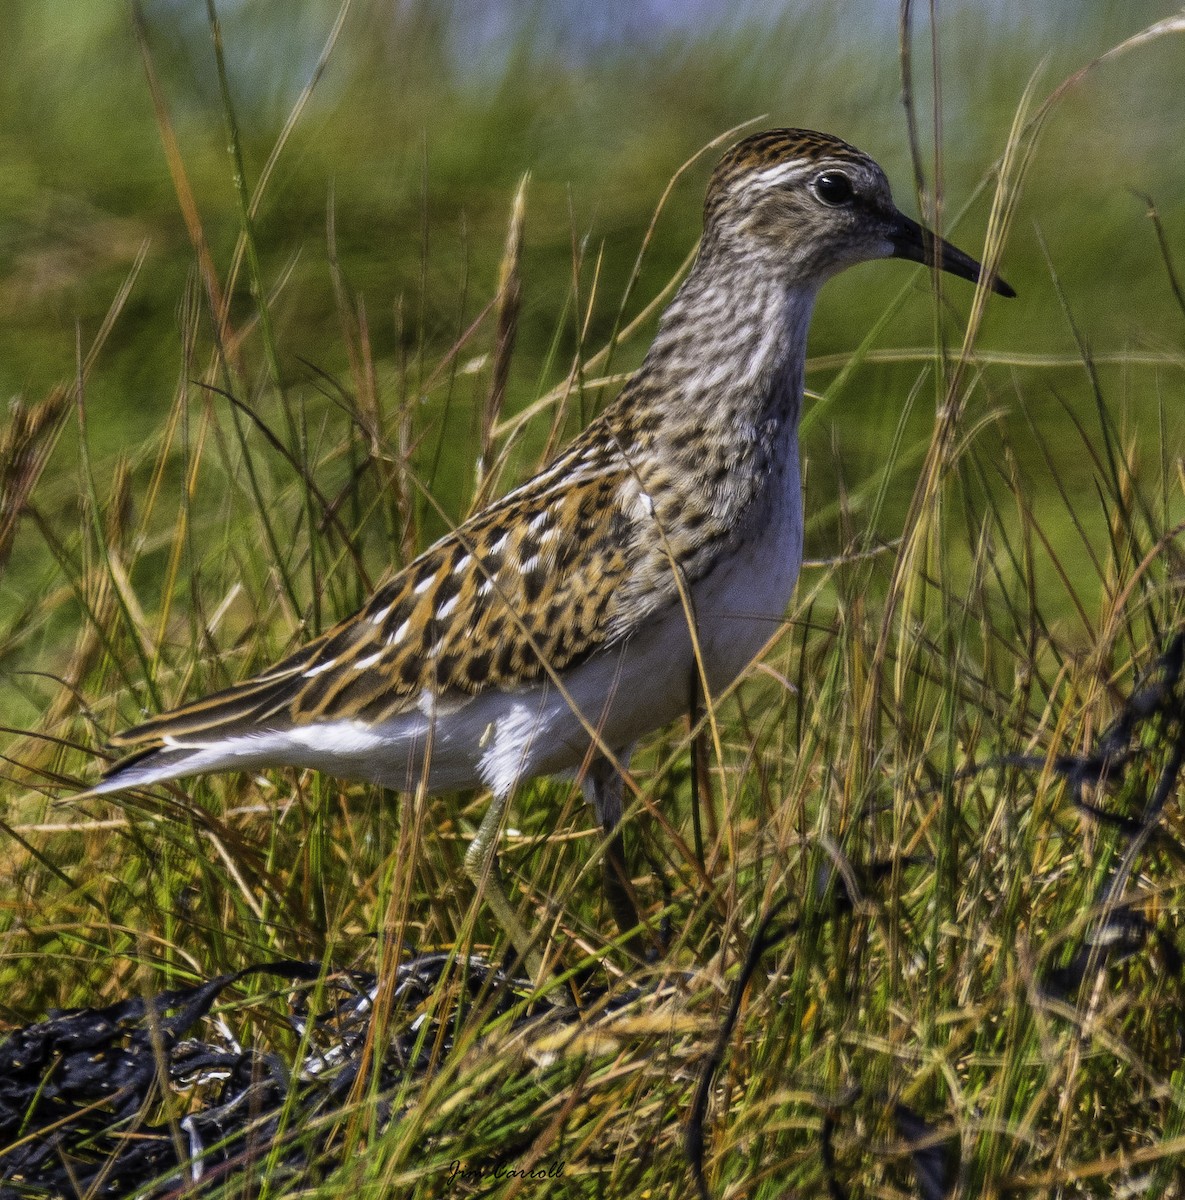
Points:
point(552, 629)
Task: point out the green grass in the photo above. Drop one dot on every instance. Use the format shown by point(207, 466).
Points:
point(994, 527)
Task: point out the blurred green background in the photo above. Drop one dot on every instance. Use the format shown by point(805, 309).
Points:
point(417, 134)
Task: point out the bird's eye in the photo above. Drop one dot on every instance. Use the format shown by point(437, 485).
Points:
point(834, 187)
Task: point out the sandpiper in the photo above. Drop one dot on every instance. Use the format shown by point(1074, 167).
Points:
point(555, 627)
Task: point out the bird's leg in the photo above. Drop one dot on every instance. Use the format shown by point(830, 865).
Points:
point(604, 789)
point(481, 865)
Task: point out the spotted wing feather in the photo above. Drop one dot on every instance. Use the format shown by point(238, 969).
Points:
point(531, 584)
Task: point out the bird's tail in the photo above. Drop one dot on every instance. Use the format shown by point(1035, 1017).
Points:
point(228, 730)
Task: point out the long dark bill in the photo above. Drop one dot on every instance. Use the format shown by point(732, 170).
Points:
point(910, 240)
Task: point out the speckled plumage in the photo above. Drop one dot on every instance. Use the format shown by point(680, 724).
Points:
point(575, 591)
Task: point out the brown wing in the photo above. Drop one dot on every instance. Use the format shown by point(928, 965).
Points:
point(533, 579)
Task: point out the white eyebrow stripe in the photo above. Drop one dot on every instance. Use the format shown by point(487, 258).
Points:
point(782, 173)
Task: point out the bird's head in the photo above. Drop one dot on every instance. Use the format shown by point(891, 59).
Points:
point(809, 205)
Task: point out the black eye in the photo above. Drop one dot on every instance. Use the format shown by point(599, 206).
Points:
point(834, 187)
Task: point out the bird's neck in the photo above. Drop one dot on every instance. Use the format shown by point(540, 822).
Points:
point(721, 386)
point(731, 346)
point(709, 424)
